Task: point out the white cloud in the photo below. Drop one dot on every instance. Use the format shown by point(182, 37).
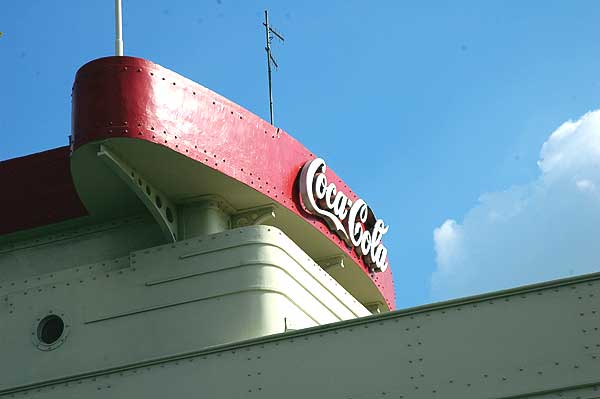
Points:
point(546, 229)
point(447, 240)
point(585, 185)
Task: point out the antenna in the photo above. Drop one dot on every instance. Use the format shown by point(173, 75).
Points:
point(270, 33)
point(118, 28)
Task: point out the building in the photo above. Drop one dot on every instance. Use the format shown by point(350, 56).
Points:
point(183, 247)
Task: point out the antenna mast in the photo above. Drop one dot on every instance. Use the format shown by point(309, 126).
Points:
point(268, 31)
point(118, 28)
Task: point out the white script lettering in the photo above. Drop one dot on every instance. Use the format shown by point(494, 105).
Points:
point(347, 219)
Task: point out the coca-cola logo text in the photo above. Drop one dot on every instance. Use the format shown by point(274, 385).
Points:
point(353, 221)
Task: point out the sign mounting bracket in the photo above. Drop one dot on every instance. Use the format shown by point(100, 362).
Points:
point(160, 207)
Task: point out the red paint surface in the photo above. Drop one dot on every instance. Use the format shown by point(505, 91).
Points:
point(37, 190)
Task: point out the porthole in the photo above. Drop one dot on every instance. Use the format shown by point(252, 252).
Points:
point(50, 330)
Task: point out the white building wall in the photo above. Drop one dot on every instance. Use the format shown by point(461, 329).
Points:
point(161, 301)
point(536, 342)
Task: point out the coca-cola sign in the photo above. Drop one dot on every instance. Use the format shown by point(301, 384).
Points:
point(353, 221)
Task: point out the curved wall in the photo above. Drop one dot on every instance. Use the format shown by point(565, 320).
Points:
point(130, 97)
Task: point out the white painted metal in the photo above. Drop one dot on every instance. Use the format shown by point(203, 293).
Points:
point(118, 28)
point(25, 264)
point(175, 298)
point(158, 203)
point(183, 180)
point(252, 216)
point(204, 216)
point(532, 342)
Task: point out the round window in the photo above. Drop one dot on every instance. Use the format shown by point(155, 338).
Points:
point(50, 330)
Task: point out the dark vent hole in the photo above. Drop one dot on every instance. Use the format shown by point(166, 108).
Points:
point(169, 215)
point(50, 329)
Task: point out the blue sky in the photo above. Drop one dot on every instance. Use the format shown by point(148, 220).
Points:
point(427, 109)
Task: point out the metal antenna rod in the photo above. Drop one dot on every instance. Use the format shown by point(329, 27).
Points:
point(118, 28)
point(268, 31)
point(269, 66)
